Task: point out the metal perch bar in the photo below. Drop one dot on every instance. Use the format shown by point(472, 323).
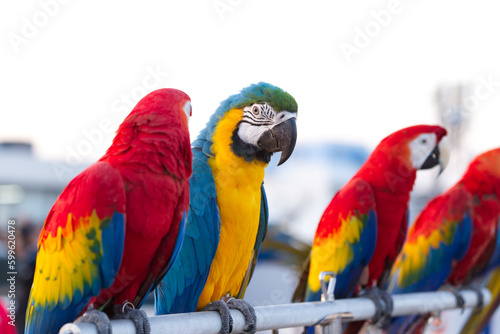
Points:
point(291, 315)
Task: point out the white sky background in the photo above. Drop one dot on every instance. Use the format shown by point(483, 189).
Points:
point(74, 71)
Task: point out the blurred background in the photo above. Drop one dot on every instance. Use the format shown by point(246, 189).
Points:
point(72, 70)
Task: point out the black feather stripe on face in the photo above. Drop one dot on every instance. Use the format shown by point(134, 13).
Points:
point(254, 123)
point(247, 151)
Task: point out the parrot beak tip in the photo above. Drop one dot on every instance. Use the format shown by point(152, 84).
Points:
point(282, 138)
point(288, 139)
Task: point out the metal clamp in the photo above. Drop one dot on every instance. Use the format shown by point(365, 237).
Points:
point(331, 324)
point(327, 291)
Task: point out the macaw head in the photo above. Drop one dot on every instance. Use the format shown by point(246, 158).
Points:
point(261, 119)
point(418, 147)
point(169, 104)
point(489, 162)
point(486, 166)
point(404, 152)
point(158, 122)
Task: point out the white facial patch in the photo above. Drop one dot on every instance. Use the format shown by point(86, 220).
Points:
point(285, 115)
point(421, 147)
point(251, 133)
point(187, 110)
point(257, 119)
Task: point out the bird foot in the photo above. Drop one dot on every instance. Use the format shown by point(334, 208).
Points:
point(224, 305)
point(383, 305)
point(221, 307)
point(98, 318)
point(248, 312)
point(138, 317)
point(480, 297)
point(457, 295)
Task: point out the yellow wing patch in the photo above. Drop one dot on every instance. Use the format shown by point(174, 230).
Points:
point(66, 266)
point(413, 257)
point(334, 252)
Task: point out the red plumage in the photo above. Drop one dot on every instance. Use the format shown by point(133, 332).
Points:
point(482, 179)
point(112, 232)
point(152, 152)
point(362, 250)
point(453, 238)
point(391, 173)
point(391, 170)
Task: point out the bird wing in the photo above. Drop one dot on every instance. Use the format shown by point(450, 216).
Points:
point(393, 253)
point(345, 239)
point(438, 239)
point(80, 248)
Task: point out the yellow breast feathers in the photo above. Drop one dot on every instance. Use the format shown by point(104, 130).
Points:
point(238, 185)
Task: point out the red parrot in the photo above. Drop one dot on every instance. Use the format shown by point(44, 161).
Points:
point(482, 180)
point(116, 228)
point(364, 226)
point(453, 238)
point(489, 278)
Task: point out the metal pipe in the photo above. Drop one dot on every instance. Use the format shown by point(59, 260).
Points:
point(291, 315)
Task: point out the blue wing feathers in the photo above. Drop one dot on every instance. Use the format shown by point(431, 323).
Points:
point(264, 217)
point(464, 236)
point(112, 243)
point(436, 270)
point(363, 252)
point(362, 249)
point(439, 260)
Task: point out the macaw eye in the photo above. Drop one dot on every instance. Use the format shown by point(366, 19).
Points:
point(255, 110)
point(424, 141)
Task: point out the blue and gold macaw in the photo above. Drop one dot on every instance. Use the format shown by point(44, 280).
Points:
point(228, 212)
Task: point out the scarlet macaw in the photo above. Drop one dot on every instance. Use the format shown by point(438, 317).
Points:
point(452, 239)
point(115, 228)
point(364, 226)
point(490, 278)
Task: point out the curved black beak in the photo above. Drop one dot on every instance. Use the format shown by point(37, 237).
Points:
point(281, 137)
point(432, 160)
point(439, 156)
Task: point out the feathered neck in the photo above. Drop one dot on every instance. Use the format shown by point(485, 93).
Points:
point(160, 144)
point(481, 182)
point(388, 172)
